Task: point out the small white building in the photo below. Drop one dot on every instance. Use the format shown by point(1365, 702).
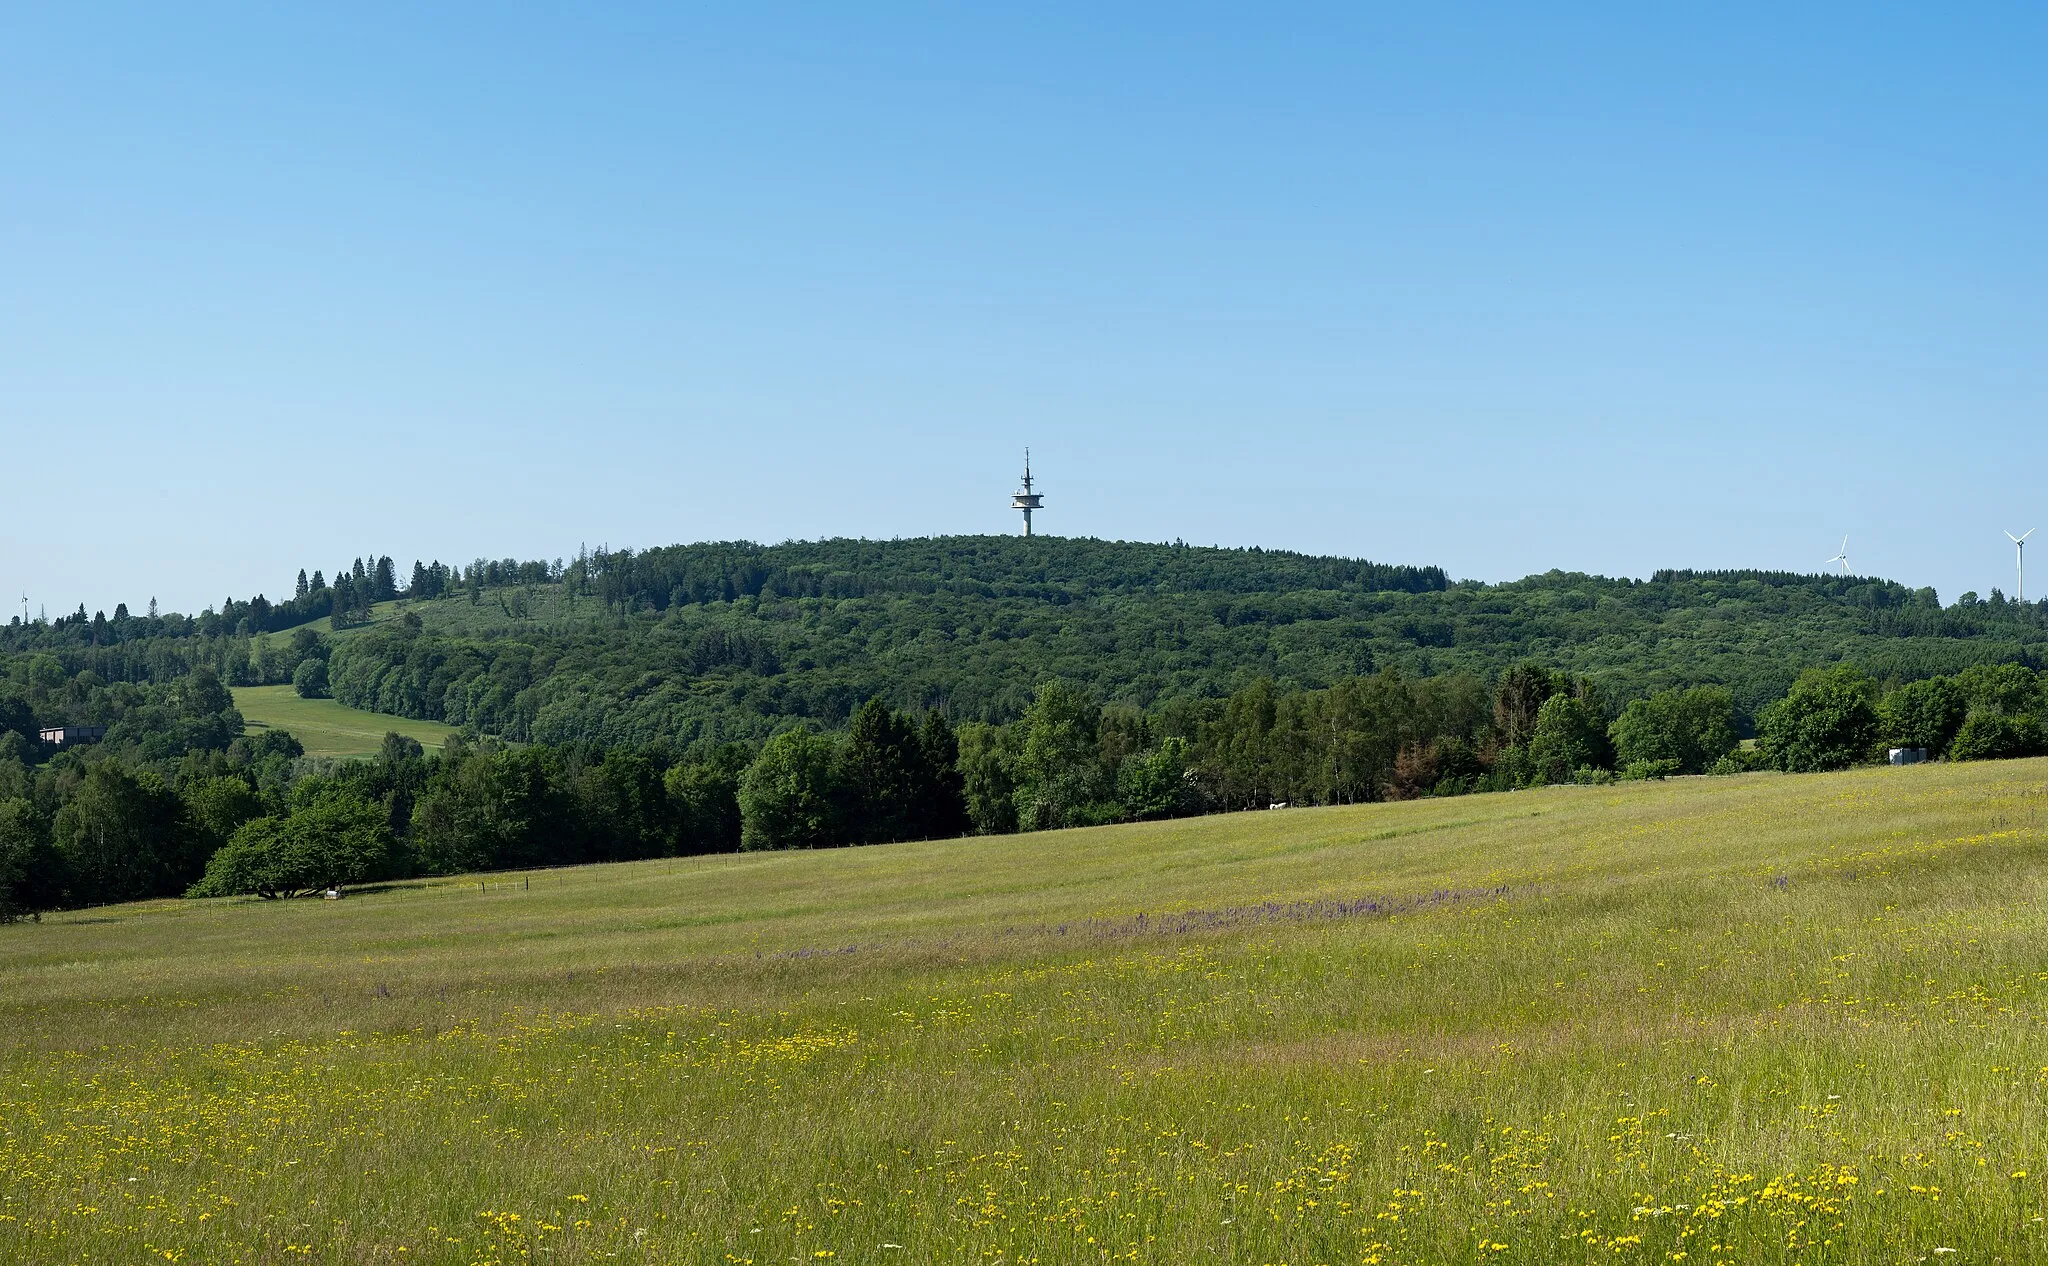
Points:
point(66, 735)
point(1908, 755)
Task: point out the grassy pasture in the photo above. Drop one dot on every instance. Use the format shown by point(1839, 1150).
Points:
point(1760, 1019)
point(327, 728)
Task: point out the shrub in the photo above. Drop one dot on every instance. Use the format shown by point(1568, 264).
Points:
point(1638, 770)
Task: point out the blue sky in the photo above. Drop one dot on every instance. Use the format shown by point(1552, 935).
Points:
point(1597, 288)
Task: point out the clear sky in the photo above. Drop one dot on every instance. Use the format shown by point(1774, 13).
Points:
point(1597, 288)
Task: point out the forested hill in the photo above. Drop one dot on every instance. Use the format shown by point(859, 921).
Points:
point(733, 640)
point(1052, 569)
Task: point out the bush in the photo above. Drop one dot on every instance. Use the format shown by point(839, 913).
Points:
point(1638, 770)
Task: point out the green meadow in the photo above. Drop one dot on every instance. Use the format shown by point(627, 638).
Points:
point(1765, 1019)
point(326, 728)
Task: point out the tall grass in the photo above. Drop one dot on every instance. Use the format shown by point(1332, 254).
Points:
point(1764, 1019)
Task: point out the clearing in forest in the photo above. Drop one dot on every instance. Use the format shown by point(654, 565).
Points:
point(326, 728)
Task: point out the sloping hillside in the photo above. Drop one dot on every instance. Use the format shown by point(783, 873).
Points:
point(733, 640)
point(1757, 1018)
point(726, 641)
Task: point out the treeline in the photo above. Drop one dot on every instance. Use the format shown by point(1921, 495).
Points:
point(228, 814)
point(257, 817)
point(252, 815)
point(347, 599)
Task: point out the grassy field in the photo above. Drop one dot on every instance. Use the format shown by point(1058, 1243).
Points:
point(327, 728)
point(1757, 1019)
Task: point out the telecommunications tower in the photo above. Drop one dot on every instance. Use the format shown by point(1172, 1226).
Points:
point(1024, 499)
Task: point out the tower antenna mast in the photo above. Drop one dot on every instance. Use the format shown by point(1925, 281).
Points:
point(1025, 499)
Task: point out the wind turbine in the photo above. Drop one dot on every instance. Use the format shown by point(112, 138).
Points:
point(2019, 561)
point(1841, 556)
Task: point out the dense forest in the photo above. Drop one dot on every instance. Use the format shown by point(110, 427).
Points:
point(733, 641)
point(717, 697)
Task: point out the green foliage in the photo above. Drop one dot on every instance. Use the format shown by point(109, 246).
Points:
point(613, 705)
point(310, 680)
point(2010, 690)
point(1519, 696)
point(883, 761)
point(793, 795)
point(988, 765)
point(623, 808)
point(337, 839)
point(1828, 721)
point(704, 801)
point(941, 790)
point(31, 871)
point(1686, 729)
point(125, 835)
point(1570, 736)
point(1154, 783)
point(489, 810)
point(1642, 769)
point(1924, 714)
point(219, 806)
point(1060, 778)
point(1990, 735)
point(744, 638)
